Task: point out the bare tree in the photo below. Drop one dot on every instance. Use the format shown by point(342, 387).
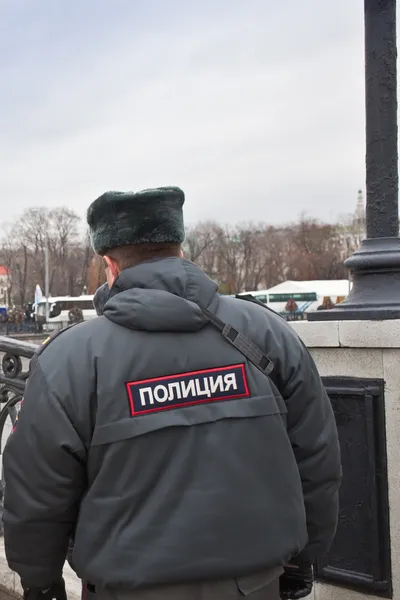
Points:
point(17, 259)
point(31, 231)
point(202, 245)
point(58, 230)
point(62, 241)
point(275, 249)
point(198, 239)
point(83, 257)
point(96, 274)
point(246, 256)
point(236, 248)
point(315, 251)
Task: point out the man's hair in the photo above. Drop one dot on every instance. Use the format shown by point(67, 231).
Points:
point(132, 255)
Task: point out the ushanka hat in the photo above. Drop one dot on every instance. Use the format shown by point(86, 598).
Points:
point(120, 219)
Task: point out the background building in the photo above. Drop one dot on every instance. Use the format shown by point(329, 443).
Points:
point(5, 286)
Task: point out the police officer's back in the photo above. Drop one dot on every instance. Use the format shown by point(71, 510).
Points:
point(178, 465)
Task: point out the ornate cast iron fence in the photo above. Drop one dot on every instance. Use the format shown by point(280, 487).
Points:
point(13, 378)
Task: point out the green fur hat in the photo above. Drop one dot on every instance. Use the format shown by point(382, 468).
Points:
point(123, 218)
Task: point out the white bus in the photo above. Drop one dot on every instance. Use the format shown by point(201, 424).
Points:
point(59, 307)
point(308, 295)
point(260, 295)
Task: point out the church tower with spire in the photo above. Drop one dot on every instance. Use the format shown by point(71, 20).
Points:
point(359, 215)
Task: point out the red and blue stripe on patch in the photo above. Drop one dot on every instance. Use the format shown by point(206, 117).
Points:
point(187, 389)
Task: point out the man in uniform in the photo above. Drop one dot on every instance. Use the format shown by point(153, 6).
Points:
point(182, 438)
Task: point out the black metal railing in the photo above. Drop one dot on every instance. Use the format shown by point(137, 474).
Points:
point(14, 372)
point(296, 316)
point(13, 376)
point(27, 327)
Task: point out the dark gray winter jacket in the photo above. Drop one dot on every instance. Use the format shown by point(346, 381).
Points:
point(166, 453)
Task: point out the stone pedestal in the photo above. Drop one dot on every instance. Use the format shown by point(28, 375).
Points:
point(371, 350)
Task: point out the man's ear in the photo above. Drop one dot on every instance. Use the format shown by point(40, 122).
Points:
point(181, 254)
point(112, 270)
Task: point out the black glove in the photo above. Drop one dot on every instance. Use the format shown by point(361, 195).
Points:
point(297, 581)
point(55, 592)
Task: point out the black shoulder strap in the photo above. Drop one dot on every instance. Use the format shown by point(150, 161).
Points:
point(250, 350)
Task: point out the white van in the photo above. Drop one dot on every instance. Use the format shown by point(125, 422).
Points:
point(59, 308)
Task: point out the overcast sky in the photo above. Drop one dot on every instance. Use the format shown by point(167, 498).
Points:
point(254, 107)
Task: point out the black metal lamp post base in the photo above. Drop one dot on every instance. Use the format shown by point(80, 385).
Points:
point(375, 268)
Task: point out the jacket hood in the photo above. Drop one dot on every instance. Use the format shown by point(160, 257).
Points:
point(161, 295)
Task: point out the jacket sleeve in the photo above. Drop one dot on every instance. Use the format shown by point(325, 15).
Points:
point(44, 470)
point(314, 438)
